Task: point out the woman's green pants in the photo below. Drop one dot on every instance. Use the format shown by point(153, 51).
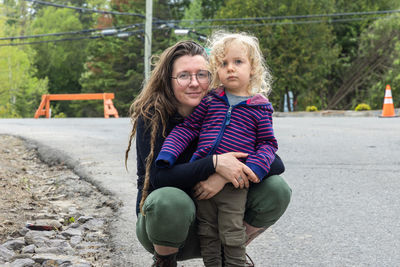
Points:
point(170, 215)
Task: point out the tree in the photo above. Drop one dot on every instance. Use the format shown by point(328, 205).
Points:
point(116, 64)
point(60, 62)
point(20, 91)
point(377, 64)
point(300, 55)
point(348, 38)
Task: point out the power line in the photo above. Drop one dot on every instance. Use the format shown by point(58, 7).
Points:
point(104, 31)
point(113, 30)
point(86, 9)
point(285, 23)
point(285, 17)
point(122, 34)
point(170, 24)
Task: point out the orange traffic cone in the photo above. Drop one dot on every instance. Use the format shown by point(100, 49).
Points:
point(388, 107)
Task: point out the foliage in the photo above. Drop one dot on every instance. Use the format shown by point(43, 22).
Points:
point(60, 115)
point(362, 106)
point(375, 65)
point(311, 108)
point(20, 91)
point(299, 55)
point(116, 65)
point(388, 71)
point(329, 65)
point(61, 62)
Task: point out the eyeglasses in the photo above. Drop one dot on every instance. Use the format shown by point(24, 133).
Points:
point(185, 78)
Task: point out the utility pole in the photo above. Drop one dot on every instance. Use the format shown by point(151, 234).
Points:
point(147, 38)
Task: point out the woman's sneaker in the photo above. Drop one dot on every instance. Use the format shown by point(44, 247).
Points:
point(249, 261)
point(164, 261)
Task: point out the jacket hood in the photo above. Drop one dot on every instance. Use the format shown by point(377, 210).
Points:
point(257, 99)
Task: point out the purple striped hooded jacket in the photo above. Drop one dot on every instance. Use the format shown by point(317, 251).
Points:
point(245, 127)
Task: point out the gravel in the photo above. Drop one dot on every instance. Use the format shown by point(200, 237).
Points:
point(49, 216)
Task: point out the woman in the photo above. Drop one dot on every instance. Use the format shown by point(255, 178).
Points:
point(166, 224)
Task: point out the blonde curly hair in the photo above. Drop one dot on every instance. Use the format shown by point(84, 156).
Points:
point(219, 42)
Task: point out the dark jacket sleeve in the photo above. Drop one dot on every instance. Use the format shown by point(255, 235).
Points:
point(183, 174)
point(277, 167)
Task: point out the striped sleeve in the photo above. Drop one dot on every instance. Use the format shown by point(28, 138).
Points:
point(266, 146)
point(181, 136)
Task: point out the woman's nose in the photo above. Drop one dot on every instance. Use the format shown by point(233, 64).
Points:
point(193, 80)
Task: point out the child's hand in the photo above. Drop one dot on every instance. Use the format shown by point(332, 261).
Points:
point(254, 179)
point(208, 188)
point(251, 176)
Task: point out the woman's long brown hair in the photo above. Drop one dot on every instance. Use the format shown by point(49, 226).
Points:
point(156, 102)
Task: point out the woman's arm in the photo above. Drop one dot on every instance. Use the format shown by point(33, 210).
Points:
point(208, 188)
point(277, 166)
point(182, 175)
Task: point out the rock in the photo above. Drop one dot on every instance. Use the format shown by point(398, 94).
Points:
point(23, 231)
point(75, 240)
point(29, 249)
point(83, 264)
point(44, 216)
point(38, 238)
point(55, 246)
point(72, 232)
point(74, 225)
point(58, 259)
point(21, 256)
point(14, 244)
point(5, 253)
point(23, 263)
point(93, 225)
point(84, 219)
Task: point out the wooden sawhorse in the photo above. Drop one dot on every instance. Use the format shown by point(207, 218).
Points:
point(109, 109)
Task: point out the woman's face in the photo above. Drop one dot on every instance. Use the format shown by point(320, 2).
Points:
point(189, 93)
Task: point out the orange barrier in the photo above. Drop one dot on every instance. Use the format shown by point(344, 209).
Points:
point(388, 107)
point(109, 109)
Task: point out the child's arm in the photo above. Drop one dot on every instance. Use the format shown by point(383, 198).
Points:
point(181, 136)
point(266, 146)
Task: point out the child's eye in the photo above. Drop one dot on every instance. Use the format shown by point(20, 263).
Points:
point(238, 61)
point(223, 64)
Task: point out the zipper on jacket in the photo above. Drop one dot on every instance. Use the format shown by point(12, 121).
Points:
point(228, 116)
point(225, 123)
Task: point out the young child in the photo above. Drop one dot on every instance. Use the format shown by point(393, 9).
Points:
point(233, 117)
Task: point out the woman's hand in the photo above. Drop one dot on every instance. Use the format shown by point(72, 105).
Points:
point(234, 171)
point(210, 187)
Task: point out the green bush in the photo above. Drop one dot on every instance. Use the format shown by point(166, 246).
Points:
point(311, 108)
point(362, 106)
point(60, 115)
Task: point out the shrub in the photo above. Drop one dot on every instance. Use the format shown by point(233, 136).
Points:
point(60, 115)
point(362, 106)
point(311, 108)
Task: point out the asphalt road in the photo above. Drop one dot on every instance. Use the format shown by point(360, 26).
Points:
point(344, 172)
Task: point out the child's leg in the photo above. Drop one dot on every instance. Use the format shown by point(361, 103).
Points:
point(210, 245)
point(231, 206)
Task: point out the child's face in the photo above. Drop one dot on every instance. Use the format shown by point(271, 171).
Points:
point(235, 70)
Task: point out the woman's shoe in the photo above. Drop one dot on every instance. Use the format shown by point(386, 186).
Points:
point(249, 261)
point(164, 261)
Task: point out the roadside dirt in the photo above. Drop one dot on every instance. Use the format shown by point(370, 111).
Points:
point(20, 172)
point(30, 189)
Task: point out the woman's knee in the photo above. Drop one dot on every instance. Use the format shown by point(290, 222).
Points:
point(169, 213)
point(170, 201)
point(280, 191)
point(267, 201)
